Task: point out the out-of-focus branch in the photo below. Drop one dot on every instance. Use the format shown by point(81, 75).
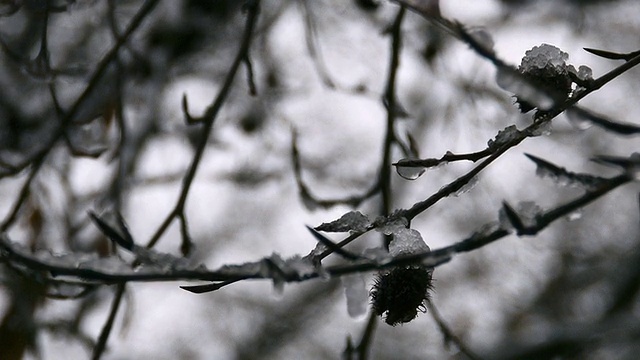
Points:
point(311, 34)
point(100, 346)
point(389, 100)
point(207, 120)
point(306, 193)
point(449, 336)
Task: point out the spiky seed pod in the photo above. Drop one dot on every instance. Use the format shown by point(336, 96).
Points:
point(398, 294)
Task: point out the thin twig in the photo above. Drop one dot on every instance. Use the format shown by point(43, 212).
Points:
point(311, 35)
point(98, 350)
point(367, 337)
point(449, 335)
point(390, 101)
point(208, 119)
point(305, 191)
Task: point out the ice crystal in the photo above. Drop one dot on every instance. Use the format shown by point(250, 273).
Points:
point(543, 56)
point(407, 241)
point(504, 136)
point(585, 73)
point(301, 267)
point(109, 265)
point(543, 78)
point(164, 262)
point(576, 215)
point(542, 129)
point(353, 221)
point(467, 187)
point(390, 226)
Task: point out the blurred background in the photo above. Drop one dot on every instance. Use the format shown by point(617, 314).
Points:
point(319, 68)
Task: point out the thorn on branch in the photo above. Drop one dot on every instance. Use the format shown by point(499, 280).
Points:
point(612, 55)
point(562, 176)
point(333, 246)
point(601, 121)
point(309, 200)
point(630, 164)
point(515, 220)
point(201, 289)
point(190, 120)
point(115, 229)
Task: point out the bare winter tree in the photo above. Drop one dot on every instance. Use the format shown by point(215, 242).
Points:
point(316, 179)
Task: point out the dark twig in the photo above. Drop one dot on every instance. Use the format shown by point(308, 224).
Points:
point(384, 176)
point(311, 34)
point(446, 158)
point(362, 348)
point(201, 289)
point(333, 246)
point(389, 100)
point(253, 91)
point(602, 121)
point(98, 350)
point(208, 119)
point(449, 335)
point(612, 55)
point(305, 191)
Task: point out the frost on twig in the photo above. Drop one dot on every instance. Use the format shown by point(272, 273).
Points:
point(562, 176)
point(543, 78)
point(353, 221)
point(148, 262)
point(504, 136)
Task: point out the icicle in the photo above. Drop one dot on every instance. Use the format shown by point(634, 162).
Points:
point(355, 291)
